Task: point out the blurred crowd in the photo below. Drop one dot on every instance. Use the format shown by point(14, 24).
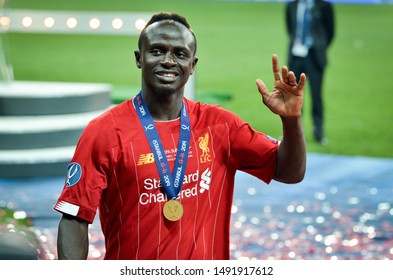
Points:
point(319, 228)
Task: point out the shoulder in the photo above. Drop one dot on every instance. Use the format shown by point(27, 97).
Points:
point(211, 113)
point(199, 108)
point(109, 121)
point(113, 113)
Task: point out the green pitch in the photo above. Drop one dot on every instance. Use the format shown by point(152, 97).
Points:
point(235, 44)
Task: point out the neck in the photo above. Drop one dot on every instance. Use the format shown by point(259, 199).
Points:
point(164, 107)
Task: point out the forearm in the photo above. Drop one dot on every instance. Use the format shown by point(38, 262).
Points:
point(291, 154)
point(72, 239)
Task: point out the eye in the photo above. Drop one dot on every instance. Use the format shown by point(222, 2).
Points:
point(182, 55)
point(156, 52)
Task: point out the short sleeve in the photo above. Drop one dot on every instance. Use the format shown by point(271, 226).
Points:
point(88, 171)
point(252, 151)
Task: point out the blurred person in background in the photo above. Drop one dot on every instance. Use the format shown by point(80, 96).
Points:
point(160, 168)
point(310, 27)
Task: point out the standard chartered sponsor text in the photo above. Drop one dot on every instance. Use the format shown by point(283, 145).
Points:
point(151, 184)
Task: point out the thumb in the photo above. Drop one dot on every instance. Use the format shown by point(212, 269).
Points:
point(262, 88)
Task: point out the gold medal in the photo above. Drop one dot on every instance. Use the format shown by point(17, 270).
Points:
point(173, 210)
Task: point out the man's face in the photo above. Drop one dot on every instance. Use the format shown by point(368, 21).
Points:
point(166, 57)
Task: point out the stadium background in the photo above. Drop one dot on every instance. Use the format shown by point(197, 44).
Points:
point(235, 43)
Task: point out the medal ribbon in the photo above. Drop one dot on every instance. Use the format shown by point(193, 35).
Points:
point(171, 181)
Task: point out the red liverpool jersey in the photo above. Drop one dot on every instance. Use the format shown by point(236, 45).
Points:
point(113, 170)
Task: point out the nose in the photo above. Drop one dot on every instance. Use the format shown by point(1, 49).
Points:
point(168, 60)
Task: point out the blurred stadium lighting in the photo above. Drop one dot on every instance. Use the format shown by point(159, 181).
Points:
point(86, 22)
point(94, 23)
point(49, 22)
point(27, 21)
point(72, 22)
point(140, 24)
point(5, 22)
point(117, 23)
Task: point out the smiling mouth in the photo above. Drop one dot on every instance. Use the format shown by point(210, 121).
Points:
point(167, 76)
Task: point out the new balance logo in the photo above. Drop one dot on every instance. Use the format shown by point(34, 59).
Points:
point(145, 159)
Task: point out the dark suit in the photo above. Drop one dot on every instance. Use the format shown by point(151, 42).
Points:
point(313, 65)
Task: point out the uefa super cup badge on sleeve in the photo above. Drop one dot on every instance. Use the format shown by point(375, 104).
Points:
point(74, 174)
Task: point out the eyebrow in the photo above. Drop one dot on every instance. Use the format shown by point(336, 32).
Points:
point(178, 48)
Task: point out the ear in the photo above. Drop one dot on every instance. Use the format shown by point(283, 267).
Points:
point(137, 54)
point(194, 63)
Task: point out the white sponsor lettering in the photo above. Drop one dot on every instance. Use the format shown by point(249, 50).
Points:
point(188, 178)
point(205, 180)
point(147, 198)
point(187, 193)
point(152, 184)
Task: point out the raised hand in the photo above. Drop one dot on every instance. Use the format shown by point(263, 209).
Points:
point(286, 99)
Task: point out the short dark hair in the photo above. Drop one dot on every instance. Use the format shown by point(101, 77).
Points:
point(167, 16)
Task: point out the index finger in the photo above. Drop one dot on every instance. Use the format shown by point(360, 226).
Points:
point(276, 68)
point(302, 81)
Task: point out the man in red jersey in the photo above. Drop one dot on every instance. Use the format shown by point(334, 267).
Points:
point(160, 168)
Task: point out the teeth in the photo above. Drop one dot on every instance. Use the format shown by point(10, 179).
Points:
point(168, 75)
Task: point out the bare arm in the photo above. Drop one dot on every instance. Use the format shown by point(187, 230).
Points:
point(286, 100)
point(72, 239)
point(291, 155)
